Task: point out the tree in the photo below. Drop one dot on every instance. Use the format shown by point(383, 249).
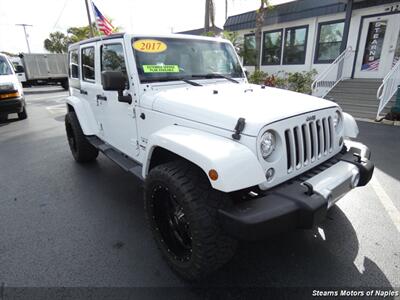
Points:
point(260, 16)
point(56, 43)
point(77, 34)
point(234, 38)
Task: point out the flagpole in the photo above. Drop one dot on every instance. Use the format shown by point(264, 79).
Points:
point(89, 18)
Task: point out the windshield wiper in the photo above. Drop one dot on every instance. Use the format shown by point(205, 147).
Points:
point(215, 75)
point(163, 79)
point(191, 82)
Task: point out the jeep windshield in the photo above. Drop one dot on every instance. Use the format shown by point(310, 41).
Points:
point(5, 68)
point(172, 59)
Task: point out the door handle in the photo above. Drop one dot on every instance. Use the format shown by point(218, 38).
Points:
point(83, 92)
point(101, 97)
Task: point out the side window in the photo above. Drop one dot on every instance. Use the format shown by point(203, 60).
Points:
point(112, 58)
point(87, 60)
point(74, 64)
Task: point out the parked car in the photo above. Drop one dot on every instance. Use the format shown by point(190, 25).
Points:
point(221, 159)
point(11, 94)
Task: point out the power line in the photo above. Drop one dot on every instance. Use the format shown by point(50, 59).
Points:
point(60, 15)
point(26, 35)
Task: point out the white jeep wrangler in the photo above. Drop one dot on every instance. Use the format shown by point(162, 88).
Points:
point(222, 160)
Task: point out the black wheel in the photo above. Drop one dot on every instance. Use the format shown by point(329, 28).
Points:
point(3, 117)
point(23, 115)
point(65, 85)
point(81, 149)
point(181, 207)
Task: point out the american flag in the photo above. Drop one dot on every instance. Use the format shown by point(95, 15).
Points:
point(103, 24)
point(371, 66)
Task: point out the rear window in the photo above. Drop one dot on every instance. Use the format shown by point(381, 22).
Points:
point(74, 64)
point(5, 68)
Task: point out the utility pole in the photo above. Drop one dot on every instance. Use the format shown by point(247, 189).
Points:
point(26, 35)
point(89, 18)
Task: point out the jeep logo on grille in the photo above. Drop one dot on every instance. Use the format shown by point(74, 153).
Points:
point(310, 118)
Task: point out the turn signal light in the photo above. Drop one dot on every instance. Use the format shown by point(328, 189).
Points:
point(9, 95)
point(213, 174)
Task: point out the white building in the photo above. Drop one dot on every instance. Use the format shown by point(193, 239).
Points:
point(310, 34)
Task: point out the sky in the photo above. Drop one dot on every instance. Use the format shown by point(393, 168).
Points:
point(141, 16)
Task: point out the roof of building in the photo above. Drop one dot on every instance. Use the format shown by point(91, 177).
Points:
point(296, 10)
point(201, 31)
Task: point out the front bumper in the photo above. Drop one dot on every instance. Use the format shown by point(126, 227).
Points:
point(303, 201)
point(14, 105)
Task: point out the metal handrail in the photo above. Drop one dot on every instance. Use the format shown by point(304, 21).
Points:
point(388, 87)
point(320, 80)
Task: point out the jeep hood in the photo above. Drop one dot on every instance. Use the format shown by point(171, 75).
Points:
point(221, 105)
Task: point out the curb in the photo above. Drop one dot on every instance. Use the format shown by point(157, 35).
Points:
point(384, 121)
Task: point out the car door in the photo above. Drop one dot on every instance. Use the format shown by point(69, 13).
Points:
point(90, 82)
point(119, 121)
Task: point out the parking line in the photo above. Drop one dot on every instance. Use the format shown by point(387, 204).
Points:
point(387, 203)
point(46, 98)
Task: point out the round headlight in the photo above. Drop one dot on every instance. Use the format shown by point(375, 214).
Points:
point(337, 120)
point(268, 144)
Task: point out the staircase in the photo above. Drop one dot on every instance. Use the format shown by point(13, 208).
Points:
point(358, 97)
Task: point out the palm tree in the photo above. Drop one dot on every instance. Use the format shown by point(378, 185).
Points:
point(209, 16)
point(260, 16)
point(56, 43)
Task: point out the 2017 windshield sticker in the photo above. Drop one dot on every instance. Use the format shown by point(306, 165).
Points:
point(160, 68)
point(149, 46)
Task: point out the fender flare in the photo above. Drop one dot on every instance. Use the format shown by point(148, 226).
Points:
point(236, 164)
point(350, 126)
point(85, 115)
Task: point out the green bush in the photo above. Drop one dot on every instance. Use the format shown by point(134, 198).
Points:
point(257, 77)
point(299, 81)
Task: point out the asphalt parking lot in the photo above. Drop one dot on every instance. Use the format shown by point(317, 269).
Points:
point(68, 225)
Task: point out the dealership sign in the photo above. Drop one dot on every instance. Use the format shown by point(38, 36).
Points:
point(373, 46)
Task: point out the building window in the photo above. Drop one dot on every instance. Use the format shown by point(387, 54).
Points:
point(294, 52)
point(272, 48)
point(329, 41)
point(87, 57)
point(249, 55)
point(74, 64)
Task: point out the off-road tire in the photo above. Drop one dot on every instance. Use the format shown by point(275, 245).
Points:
point(81, 149)
point(65, 85)
point(211, 248)
point(23, 114)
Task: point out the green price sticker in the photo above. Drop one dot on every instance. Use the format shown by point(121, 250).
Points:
point(161, 68)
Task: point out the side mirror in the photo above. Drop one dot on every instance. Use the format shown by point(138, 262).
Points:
point(19, 69)
point(116, 81)
point(113, 81)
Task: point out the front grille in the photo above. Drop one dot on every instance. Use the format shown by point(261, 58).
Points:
point(308, 143)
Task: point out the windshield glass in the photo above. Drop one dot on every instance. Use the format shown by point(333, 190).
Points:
point(5, 68)
point(168, 59)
